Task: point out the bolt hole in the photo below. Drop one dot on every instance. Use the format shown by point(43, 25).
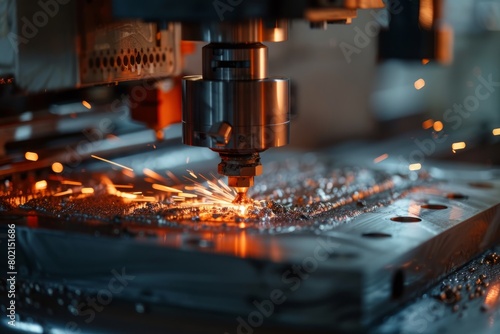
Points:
point(398, 284)
point(376, 235)
point(456, 196)
point(434, 206)
point(406, 219)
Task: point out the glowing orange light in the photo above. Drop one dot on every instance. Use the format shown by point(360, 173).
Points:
point(71, 183)
point(86, 104)
point(425, 61)
point(496, 132)
point(40, 185)
point(154, 175)
point(57, 167)
point(192, 173)
point(165, 188)
point(111, 162)
point(458, 146)
point(414, 167)
point(241, 225)
point(31, 156)
point(419, 84)
point(492, 295)
point(381, 158)
point(438, 126)
point(427, 124)
point(87, 190)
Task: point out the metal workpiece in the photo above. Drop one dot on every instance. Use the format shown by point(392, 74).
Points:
point(246, 31)
point(250, 116)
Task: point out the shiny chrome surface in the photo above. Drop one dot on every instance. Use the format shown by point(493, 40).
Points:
point(249, 31)
point(234, 61)
point(256, 110)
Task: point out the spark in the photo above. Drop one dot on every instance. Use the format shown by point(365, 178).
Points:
point(71, 183)
point(62, 193)
point(41, 185)
point(57, 167)
point(438, 126)
point(127, 186)
point(86, 104)
point(381, 158)
point(425, 61)
point(496, 132)
point(242, 225)
point(427, 124)
point(414, 167)
point(187, 160)
point(192, 173)
point(165, 188)
point(187, 195)
point(112, 162)
point(31, 156)
point(419, 84)
point(173, 177)
point(87, 190)
point(458, 146)
point(154, 175)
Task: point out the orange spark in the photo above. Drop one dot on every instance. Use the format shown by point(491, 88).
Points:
point(41, 185)
point(112, 162)
point(57, 167)
point(438, 126)
point(31, 156)
point(165, 188)
point(381, 158)
point(86, 104)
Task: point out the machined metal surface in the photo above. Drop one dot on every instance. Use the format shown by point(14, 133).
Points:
point(341, 274)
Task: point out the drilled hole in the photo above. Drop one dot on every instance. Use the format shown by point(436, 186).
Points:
point(406, 219)
point(456, 196)
point(138, 58)
point(132, 60)
point(157, 58)
point(125, 60)
point(398, 284)
point(376, 235)
point(163, 57)
point(112, 61)
point(119, 61)
point(91, 63)
point(434, 206)
point(144, 59)
point(104, 61)
point(151, 58)
point(98, 62)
